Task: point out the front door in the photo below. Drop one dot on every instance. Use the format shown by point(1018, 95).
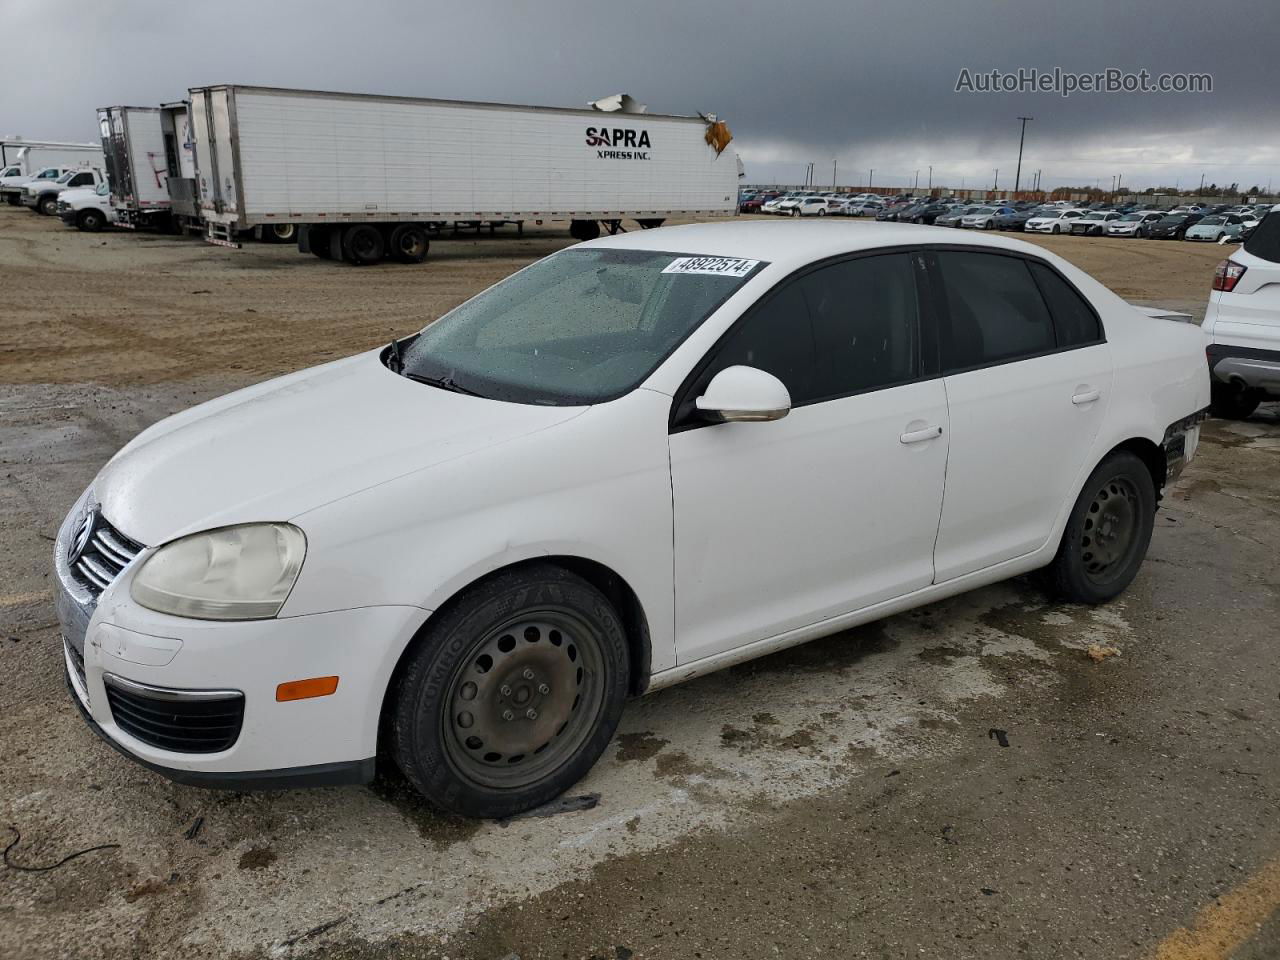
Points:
point(834, 507)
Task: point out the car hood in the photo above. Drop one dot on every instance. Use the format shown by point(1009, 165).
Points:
point(281, 448)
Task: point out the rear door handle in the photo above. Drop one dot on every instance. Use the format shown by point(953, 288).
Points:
point(1086, 396)
point(917, 436)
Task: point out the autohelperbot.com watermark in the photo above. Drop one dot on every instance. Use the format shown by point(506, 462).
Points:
point(1067, 83)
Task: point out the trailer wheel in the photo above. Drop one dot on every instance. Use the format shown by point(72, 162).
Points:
point(650, 224)
point(91, 220)
point(409, 243)
point(362, 244)
point(584, 229)
point(280, 233)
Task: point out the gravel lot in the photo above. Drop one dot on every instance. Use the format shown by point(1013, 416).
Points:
point(848, 798)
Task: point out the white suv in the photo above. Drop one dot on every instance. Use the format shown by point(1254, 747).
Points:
point(1243, 323)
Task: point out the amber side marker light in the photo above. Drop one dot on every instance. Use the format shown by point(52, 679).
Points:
point(305, 689)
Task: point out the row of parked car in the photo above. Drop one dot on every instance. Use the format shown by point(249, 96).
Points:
point(80, 195)
point(1187, 222)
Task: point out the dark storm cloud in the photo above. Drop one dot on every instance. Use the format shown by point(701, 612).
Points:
point(866, 84)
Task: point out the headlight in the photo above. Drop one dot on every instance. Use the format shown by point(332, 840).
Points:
point(235, 573)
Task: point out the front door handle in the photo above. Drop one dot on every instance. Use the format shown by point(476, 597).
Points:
point(917, 436)
point(1086, 396)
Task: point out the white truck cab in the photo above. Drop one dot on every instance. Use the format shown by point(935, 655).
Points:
point(12, 184)
point(87, 208)
point(42, 195)
point(1243, 323)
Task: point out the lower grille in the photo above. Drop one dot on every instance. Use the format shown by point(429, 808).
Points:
point(184, 721)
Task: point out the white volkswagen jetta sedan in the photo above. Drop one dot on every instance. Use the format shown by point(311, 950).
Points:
point(636, 461)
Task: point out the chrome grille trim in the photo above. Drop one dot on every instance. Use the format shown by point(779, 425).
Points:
point(105, 553)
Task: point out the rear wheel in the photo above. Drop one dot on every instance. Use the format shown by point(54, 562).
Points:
point(1230, 402)
point(651, 223)
point(91, 220)
point(1108, 533)
point(512, 694)
point(362, 244)
point(409, 243)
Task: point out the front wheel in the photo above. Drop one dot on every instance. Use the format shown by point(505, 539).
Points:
point(91, 220)
point(49, 205)
point(1108, 532)
point(1055, 229)
point(512, 694)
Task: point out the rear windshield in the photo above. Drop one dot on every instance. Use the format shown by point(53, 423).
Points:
point(1264, 242)
point(580, 327)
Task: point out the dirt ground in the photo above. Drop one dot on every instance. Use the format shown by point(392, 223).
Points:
point(848, 798)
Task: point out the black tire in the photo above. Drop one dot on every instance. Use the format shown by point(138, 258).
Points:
point(584, 229)
point(1107, 534)
point(450, 668)
point(48, 204)
point(13, 199)
point(409, 243)
point(91, 220)
point(650, 224)
point(1229, 402)
point(1056, 230)
point(363, 244)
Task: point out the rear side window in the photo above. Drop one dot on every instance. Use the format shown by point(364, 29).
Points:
point(1264, 242)
point(995, 312)
point(1074, 320)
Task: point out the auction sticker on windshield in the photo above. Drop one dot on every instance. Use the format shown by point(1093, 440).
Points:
point(715, 266)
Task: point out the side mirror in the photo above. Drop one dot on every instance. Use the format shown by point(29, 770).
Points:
point(744, 395)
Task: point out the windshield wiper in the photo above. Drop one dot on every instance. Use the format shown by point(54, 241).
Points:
point(395, 360)
point(444, 383)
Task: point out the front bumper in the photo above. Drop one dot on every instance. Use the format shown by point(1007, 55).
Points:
point(29, 200)
point(320, 741)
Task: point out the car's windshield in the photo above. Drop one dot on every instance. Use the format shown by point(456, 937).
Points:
point(984, 210)
point(1131, 217)
point(1210, 221)
point(580, 327)
point(65, 177)
point(1178, 218)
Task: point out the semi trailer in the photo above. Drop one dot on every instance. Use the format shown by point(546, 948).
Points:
point(137, 167)
point(180, 164)
point(362, 178)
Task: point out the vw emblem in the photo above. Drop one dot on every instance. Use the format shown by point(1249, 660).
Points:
point(80, 539)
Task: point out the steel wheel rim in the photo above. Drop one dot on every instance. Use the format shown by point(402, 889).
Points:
point(1110, 529)
point(524, 699)
point(412, 244)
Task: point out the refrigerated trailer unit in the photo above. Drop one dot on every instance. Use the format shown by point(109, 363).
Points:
point(133, 142)
point(370, 176)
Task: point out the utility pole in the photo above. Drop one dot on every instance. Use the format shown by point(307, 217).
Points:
point(1021, 137)
point(1119, 180)
point(917, 186)
point(871, 177)
point(1113, 184)
point(995, 182)
point(931, 178)
point(833, 173)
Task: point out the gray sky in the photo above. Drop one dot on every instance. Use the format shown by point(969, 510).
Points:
point(869, 84)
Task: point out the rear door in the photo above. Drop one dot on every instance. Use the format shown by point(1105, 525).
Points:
point(1028, 377)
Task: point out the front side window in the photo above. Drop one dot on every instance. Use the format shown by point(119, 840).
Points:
point(842, 329)
point(580, 327)
point(80, 180)
point(994, 311)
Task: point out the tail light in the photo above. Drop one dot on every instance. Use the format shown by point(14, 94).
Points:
point(1227, 274)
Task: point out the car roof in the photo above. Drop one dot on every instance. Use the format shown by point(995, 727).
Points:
point(796, 243)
